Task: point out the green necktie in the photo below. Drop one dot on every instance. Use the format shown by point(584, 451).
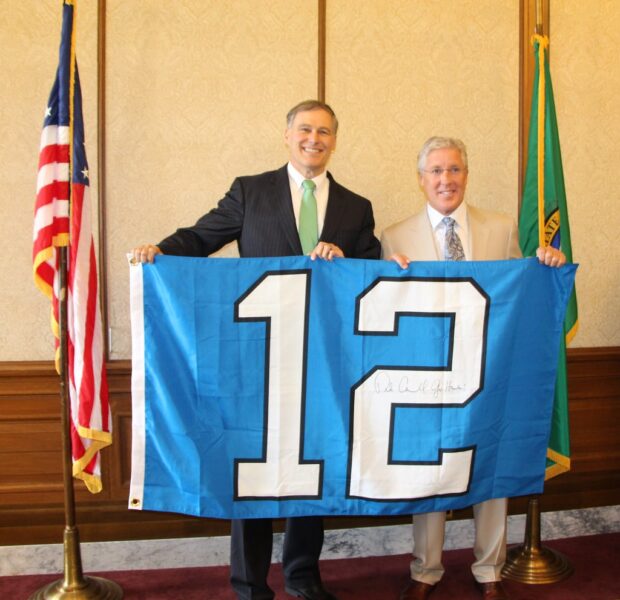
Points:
point(308, 226)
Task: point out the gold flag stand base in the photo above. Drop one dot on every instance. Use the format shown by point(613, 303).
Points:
point(531, 562)
point(74, 586)
point(89, 588)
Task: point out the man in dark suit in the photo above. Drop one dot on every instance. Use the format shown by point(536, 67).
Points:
point(263, 214)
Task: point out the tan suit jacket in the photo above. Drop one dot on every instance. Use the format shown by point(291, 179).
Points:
point(492, 236)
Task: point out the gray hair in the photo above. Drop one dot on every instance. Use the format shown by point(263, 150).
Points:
point(437, 143)
point(310, 105)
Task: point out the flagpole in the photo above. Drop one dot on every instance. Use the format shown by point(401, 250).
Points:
point(322, 9)
point(531, 562)
point(73, 586)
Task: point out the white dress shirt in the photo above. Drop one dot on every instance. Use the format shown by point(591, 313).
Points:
point(460, 226)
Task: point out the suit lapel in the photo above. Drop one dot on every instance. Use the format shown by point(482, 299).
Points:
point(478, 234)
point(422, 237)
point(284, 209)
point(334, 213)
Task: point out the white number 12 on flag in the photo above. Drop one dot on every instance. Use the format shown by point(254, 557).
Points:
point(281, 300)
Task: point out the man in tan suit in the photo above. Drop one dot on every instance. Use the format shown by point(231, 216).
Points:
point(450, 229)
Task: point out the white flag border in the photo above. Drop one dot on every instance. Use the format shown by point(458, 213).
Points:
point(138, 424)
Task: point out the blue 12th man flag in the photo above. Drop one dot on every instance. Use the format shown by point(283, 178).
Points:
point(284, 387)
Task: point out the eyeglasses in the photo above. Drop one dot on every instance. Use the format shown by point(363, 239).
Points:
point(437, 171)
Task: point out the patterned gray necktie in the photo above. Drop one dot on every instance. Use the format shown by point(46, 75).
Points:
point(453, 249)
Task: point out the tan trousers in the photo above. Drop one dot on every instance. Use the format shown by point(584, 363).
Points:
point(489, 547)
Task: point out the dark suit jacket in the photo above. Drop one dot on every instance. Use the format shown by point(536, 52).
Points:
point(257, 212)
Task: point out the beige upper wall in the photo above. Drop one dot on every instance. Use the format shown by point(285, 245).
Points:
point(197, 92)
point(400, 72)
point(197, 95)
point(585, 40)
point(29, 40)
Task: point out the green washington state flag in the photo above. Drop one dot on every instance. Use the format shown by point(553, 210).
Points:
point(543, 221)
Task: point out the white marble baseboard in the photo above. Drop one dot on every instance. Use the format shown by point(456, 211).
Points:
point(339, 543)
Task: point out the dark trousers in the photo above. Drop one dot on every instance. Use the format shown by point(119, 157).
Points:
point(250, 555)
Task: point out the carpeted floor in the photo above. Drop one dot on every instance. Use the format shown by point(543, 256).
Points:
point(596, 560)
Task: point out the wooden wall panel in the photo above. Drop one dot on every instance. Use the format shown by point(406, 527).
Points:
point(31, 494)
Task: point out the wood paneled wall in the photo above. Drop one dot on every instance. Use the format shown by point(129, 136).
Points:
point(32, 499)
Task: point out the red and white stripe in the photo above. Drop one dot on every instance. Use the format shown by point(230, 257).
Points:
point(62, 217)
point(51, 216)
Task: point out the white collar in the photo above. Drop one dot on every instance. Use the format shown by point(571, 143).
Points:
point(298, 178)
point(459, 216)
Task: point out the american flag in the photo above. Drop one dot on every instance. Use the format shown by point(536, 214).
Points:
point(62, 218)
